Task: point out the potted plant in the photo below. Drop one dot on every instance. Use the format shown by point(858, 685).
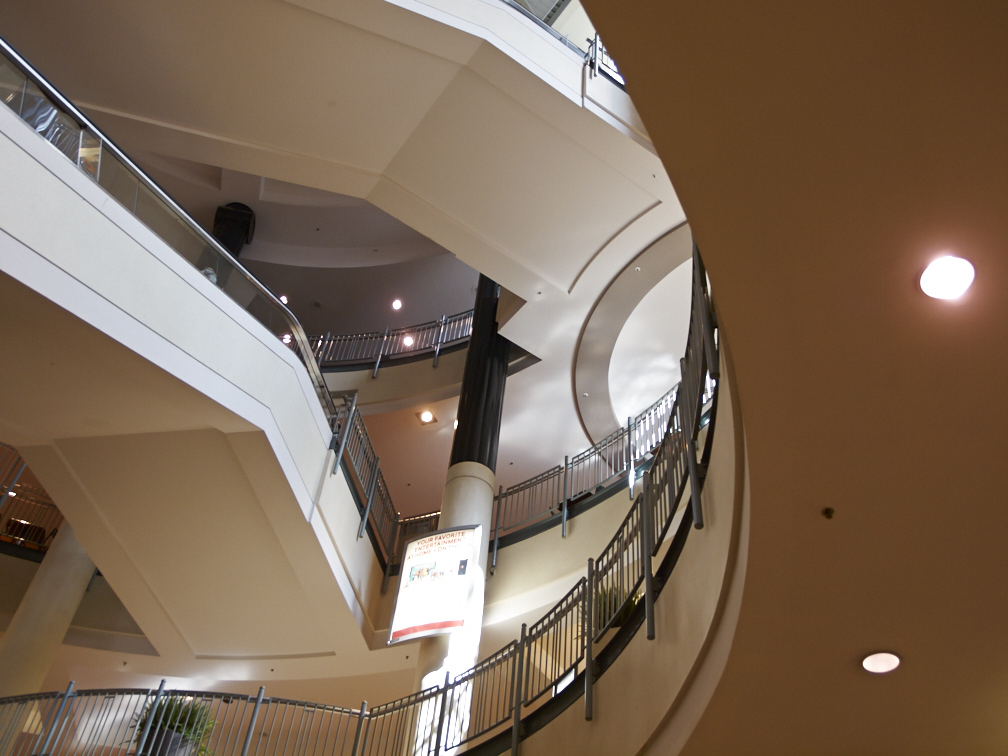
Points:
point(180, 726)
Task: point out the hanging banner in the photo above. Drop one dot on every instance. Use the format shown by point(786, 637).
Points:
point(435, 583)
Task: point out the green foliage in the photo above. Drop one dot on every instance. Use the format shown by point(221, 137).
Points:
point(609, 606)
point(181, 714)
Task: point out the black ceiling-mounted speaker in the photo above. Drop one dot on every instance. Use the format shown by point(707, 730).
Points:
point(234, 226)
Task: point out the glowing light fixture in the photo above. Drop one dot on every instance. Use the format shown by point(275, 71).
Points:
point(396, 304)
point(948, 277)
point(455, 424)
point(286, 338)
point(407, 341)
point(283, 298)
point(12, 494)
point(426, 417)
point(881, 662)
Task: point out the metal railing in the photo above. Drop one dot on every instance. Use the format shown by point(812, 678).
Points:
point(172, 723)
point(531, 503)
point(367, 348)
point(481, 708)
point(53, 117)
point(599, 61)
point(28, 517)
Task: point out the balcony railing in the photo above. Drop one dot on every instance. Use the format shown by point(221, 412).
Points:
point(54, 118)
point(489, 708)
point(28, 518)
point(371, 348)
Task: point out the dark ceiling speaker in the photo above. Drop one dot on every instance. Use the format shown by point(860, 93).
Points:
point(234, 226)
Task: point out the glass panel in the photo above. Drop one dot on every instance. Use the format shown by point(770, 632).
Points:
point(117, 179)
point(64, 134)
point(37, 110)
point(12, 83)
point(240, 289)
point(263, 310)
point(90, 150)
point(166, 223)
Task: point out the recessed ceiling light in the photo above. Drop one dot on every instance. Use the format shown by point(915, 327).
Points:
point(881, 662)
point(455, 424)
point(286, 338)
point(13, 494)
point(396, 304)
point(426, 417)
point(407, 341)
point(948, 277)
point(283, 298)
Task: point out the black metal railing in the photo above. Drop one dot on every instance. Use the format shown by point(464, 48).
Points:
point(549, 667)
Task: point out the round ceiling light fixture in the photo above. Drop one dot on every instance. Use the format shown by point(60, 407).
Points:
point(881, 662)
point(286, 338)
point(396, 304)
point(948, 277)
point(426, 417)
point(283, 298)
point(407, 341)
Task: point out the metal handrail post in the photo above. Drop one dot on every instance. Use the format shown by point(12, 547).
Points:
point(252, 721)
point(566, 497)
point(691, 458)
point(360, 726)
point(589, 626)
point(437, 346)
point(370, 498)
point(391, 558)
point(630, 455)
point(381, 351)
point(345, 435)
point(647, 526)
point(500, 504)
point(56, 720)
point(150, 720)
point(13, 483)
point(441, 714)
point(706, 317)
point(516, 723)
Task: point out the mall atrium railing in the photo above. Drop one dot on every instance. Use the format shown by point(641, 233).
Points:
point(55, 119)
point(28, 518)
point(489, 708)
point(542, 501)
point(352, 350)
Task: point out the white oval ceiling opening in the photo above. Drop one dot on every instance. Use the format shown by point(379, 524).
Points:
point(880, 663)
point(948, 277)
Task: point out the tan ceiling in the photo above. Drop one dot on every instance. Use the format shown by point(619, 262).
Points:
point(824, 153)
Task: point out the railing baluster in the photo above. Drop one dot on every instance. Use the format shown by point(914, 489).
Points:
point(566, 498)
point(370, 498)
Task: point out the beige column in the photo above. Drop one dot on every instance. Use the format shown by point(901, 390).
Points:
point(468, 500)
point(44, 615)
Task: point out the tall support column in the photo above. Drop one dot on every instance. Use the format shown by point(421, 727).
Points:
point(43, 617)
point(469, 488)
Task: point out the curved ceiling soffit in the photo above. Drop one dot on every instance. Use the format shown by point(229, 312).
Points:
point(604, 324)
